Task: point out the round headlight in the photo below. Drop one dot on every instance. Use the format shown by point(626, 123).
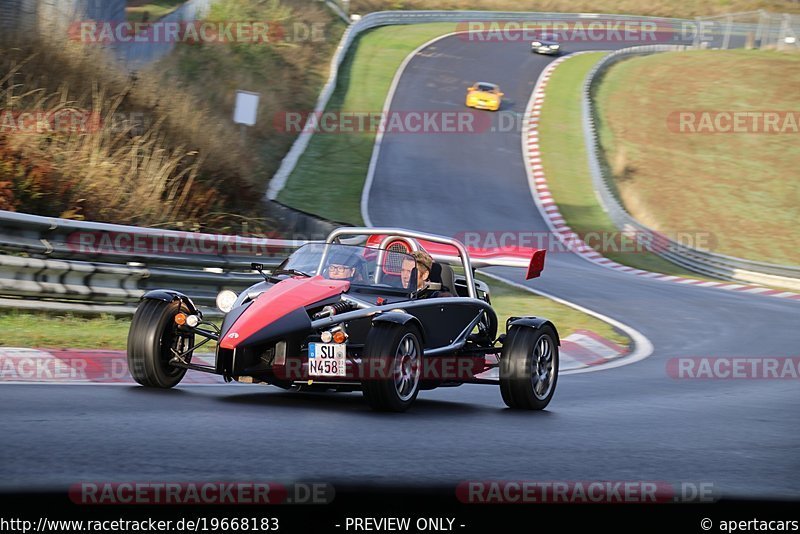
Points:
point(226, 300)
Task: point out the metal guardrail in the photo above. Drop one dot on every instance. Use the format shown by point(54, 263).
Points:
point(699, 261)
point(96, 266)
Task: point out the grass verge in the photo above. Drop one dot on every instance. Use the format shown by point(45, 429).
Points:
point(337, 163)
point(509, 301)
point(41, 330)
point(565, 161)
point(657, 8)
point(52, 331)
point(738, 188)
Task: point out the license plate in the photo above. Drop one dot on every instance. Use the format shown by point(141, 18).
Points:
point(327, 359)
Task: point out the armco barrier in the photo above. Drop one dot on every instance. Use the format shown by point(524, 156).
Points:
point(700, 261)
point(44, 261)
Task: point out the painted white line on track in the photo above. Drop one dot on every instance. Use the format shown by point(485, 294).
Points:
point(642, 347)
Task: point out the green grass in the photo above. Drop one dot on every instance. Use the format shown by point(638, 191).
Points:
point(565, 163)
point(52, 331)
point(658, 8)
point(738, 188)
point(154, 10)
point(41, 330)
point(509, 301)
point(330, 175)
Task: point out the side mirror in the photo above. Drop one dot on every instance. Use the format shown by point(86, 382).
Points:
point(501, 94)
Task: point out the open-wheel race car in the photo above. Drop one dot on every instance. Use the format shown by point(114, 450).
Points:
point(342, 316)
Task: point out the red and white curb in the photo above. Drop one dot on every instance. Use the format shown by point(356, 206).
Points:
point(549, 209)
point(74, 366)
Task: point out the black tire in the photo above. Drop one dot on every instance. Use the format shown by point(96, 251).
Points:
point(384, 356)
point(152, 334)
point(523, 348)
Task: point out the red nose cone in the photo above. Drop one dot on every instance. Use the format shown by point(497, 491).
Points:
point(279, 300)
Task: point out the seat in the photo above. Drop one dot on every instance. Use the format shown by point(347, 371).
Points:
point(442, 273)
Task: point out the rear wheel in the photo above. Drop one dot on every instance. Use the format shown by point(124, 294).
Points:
point(392, 367)
point(153, 340)
point(529, 368)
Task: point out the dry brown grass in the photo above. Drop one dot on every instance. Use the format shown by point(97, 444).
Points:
point(167, 153)
point(169, 172)
point(656, 8)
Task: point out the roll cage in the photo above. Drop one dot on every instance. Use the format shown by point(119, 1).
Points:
point(410, 237)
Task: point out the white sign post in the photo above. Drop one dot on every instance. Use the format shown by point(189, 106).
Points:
point(246, 109)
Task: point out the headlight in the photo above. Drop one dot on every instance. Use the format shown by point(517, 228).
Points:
point(225, 300)
point(554, 46)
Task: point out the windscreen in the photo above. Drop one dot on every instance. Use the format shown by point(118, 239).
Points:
point(360, 265)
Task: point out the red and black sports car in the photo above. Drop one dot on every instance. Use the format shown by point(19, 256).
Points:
point(342, 316)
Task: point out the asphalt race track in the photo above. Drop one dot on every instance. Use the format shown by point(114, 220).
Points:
point(630, 423)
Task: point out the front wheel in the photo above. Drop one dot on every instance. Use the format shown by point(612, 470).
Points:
point(392, 367)
point(529, 368)
point(153, 340)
